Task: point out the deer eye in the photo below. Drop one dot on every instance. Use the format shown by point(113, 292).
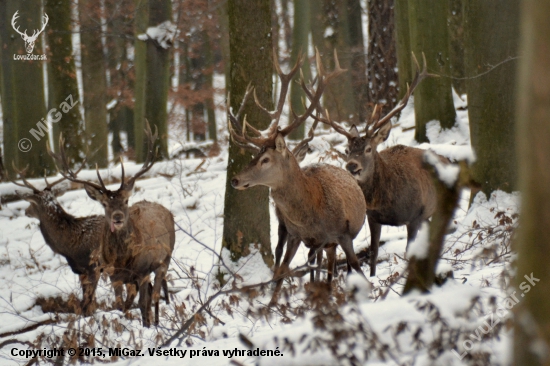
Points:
point(346, 151)
point(126, 202)
point(368, 149)
point(265, 161)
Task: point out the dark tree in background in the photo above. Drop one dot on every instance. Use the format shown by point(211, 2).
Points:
point(382, 60)
point(300, 36)
point(22, 89)
point(491, 90)
point(456, 34)
point(94, 81)
point(531, 313)
point(403, 44)
point(429, 33)
point(358, 63)
point(246, 213)
point(62, 81)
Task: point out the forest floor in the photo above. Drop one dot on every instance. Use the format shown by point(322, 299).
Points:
point(465, 321)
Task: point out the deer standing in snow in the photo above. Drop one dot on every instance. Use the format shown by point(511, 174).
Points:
point(321, 205)
point(137, 240)
point(398, 190)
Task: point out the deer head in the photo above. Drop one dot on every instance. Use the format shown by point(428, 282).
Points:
point(41, 200)
point(115, 203)
point(29, 40)
point(362, 148)
point(271, 154)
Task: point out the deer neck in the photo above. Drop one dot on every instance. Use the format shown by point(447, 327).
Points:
point(375, 187)
point(295, 190)
point(58, 227)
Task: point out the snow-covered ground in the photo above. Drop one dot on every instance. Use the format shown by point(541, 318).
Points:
point(363, 323)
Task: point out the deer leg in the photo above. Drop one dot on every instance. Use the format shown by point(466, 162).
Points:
point(319, 263)
point(347, 246)
point(291, 248)
point(117, 287)
point(283, 235)
point(145, 302)
point(160, 279)
point(412, 230)
point(131, 293)
point(375, 230)
point(331, 261)
point(88, 283)
point(165, 289)
point(311, 259)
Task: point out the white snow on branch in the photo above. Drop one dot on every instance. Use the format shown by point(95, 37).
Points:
point(163, 34)
point(419, 247)
point(447, 173)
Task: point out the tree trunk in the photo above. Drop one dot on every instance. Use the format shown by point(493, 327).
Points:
point(456, 33)
point(209, 85)
point(246, 213)
point(62, 83)
point(300, 36)
point(433, 98)
point(158, 77)
point(532, 323)
point(403, 45)
point(140, 65)
point(22, 90)
point(421, 271)
point(382, 77)
point(94, 80)
point(491, 95)
point(330, 30)
point(358, 70)
point(9, 42)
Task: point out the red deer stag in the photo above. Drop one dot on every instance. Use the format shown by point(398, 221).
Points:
point(321, 205)
point(397, 189)
point(75, 238)
point(137, 240)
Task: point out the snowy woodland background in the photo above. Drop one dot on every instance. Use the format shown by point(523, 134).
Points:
point(173, 63)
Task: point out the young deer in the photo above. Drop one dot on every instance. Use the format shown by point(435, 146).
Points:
point(321, 205)
point(397, 189)
point(75, 238)
point(137, 240)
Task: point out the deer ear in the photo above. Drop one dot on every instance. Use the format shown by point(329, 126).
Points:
point(93, 193)
point(354, 131)
point(27, 197)
point(382, 134)
point(280, 143)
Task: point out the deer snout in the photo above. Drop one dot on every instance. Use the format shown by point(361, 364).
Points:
point(117, 220)
point(238, 184)
point(353, 167)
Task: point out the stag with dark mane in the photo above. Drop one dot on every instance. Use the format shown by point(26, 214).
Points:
point(398, 190)
point(320, 205)
point(137, 240)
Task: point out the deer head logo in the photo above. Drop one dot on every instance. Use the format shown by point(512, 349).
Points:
point(29, 40)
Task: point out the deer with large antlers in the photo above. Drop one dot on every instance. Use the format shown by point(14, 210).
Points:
point(75, 238)
point(397, 189)
point(138, 239)
point(320, 205)
point(29, 40)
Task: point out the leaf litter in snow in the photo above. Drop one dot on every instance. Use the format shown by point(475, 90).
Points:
point(362, 322)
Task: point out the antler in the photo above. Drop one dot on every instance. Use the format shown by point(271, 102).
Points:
point(13, 19)
point(403, 102)
point(37, 32)
point(60, 160)
point(21, 174)
point(149, 161)
point(285, 82)
point(242, 139)
point(315, 101)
